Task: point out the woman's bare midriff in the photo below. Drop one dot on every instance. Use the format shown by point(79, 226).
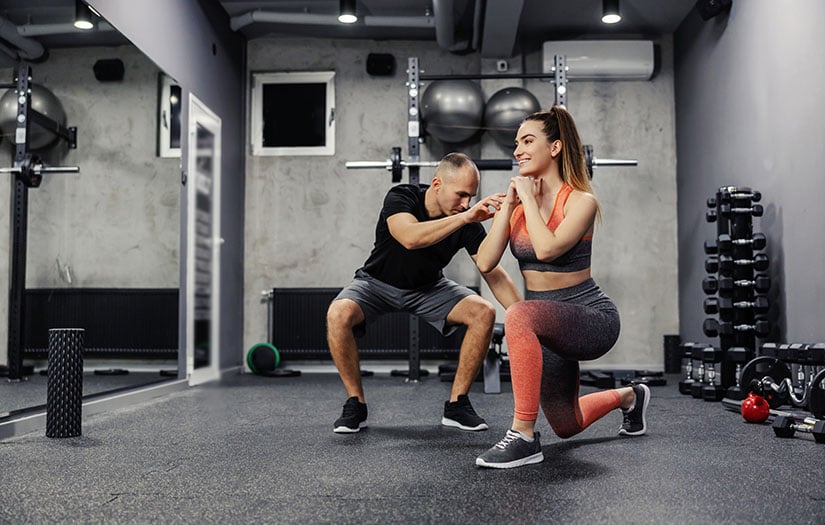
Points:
point(537, 281)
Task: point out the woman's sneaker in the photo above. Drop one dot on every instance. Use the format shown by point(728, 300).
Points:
point(353, 418)
point(634, 422)
point(514, 450)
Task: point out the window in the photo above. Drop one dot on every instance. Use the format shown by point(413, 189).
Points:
point(169, 104)
point(293, 113)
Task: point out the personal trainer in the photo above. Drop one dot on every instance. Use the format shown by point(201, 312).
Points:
point(420, 229)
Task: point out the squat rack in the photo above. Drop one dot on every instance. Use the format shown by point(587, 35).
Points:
point(28, 173)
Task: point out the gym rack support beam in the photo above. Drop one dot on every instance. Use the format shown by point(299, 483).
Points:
point(27, 173)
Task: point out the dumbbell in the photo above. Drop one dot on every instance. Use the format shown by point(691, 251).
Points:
point(711, 248)
point(726, 210)
point(758, 241)
point(725, 306)
point(686, 350)
point(739, 355)
point(759, 262)
point(725, 285)
point(785, 426)
point(712, 390)
point(768, 377)
point(712, 264)
point(713, 328)
point(754, 196)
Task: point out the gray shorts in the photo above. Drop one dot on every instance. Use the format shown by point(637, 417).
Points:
point(432, 303)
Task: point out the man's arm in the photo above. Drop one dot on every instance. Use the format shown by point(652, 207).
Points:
point(502, 286)
point(412, 234)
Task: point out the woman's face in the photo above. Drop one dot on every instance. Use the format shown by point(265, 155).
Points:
point(534, 152)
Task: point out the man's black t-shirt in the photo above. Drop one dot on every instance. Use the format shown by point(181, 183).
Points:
point(397, 266)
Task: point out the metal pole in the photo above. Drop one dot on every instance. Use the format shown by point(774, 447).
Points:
point(19, 227)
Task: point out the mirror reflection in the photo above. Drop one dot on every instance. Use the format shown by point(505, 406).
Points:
point(101, 246)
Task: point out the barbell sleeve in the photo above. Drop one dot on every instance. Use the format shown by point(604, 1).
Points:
point(367, 164)
point(614, 162)
point(43, 169)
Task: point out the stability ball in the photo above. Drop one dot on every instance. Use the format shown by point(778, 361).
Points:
point(42, 101)
point(452, 109)
point(504, 112)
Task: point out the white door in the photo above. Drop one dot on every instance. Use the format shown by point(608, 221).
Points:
point(204, 244)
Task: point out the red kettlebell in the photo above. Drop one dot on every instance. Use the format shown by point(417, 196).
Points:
point(755, 409)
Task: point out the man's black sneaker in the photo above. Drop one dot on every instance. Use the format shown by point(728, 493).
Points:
point(514, 450)
point(353, 418)
point(460, 414)
point(634, 423)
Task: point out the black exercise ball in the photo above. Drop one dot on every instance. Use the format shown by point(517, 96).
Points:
point(43, 101)
point(505, 111)
point(452, 110)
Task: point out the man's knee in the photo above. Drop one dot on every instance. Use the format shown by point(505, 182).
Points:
point(343, 314)
point(476, 311)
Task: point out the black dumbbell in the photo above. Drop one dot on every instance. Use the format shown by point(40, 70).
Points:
point(725, 285)
point(725, 306)
point(710, 215)
point(754, 196)
point(711, 202)
point(711, 248)
point(786, 425)
point(713, 328)
point(712, 264)
point(758, 241)
point(759, 262)
point(726, 210)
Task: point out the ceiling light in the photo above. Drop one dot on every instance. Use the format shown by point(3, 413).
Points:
point(346, 15)
point(610, 11)
point(83, 17)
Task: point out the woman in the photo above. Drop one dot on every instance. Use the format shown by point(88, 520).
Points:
point(547, 218)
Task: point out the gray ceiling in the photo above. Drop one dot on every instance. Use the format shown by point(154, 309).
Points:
point(495, 28)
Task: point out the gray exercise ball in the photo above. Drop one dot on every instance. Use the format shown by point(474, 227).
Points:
point(505, 111)
point(452, 109)
point(42, 101)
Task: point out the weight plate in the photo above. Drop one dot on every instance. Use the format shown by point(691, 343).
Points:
point(816, 399)
point(763, 366)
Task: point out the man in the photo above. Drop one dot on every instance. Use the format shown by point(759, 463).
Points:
point(419, 230)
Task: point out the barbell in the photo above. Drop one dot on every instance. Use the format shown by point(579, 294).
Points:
point(31, 170)
point(396, 165)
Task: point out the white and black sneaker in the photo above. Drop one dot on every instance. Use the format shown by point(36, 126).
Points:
point(633, 421)
point(460, 414)
point(514, 450)
point(353, 418)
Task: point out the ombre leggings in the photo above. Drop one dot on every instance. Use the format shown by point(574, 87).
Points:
point(547, 335)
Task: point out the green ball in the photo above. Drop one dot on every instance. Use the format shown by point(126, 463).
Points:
point(263, 358)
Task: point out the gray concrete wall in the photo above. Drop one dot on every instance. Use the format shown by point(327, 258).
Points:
point(116, 224)
point(749, 113)
point(310, 222)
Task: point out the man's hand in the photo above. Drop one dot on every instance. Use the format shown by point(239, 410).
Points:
point(485, 208)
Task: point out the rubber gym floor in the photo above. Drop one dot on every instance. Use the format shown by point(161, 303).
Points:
point(254, 449)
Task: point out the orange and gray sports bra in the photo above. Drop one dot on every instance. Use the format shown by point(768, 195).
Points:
point(575, 259)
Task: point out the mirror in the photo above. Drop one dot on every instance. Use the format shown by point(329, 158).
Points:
point(203, 167)
point(102, 245)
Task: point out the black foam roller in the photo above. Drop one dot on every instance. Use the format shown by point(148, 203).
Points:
point(64, 394)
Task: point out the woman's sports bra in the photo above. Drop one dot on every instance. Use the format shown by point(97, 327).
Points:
point(575, 259)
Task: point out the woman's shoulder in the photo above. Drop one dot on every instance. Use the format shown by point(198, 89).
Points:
point(580, 196)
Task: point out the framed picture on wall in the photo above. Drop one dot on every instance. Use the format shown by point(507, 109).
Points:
point(169, 107)
point(293, 113)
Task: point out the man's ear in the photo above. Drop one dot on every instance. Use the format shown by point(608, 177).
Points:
point(436, 182)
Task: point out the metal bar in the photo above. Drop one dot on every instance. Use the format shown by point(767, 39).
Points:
point(560, 79)
point(414, 350)
point(37, 169)
point(413, 118)
point(614, 162)
point(67, 134)
point(488, 76)
point(19, 219)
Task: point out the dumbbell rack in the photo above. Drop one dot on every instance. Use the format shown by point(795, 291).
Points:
point(733, 288)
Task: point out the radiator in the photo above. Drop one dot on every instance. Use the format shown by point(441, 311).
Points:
point(139, 323)
point(298, 329)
